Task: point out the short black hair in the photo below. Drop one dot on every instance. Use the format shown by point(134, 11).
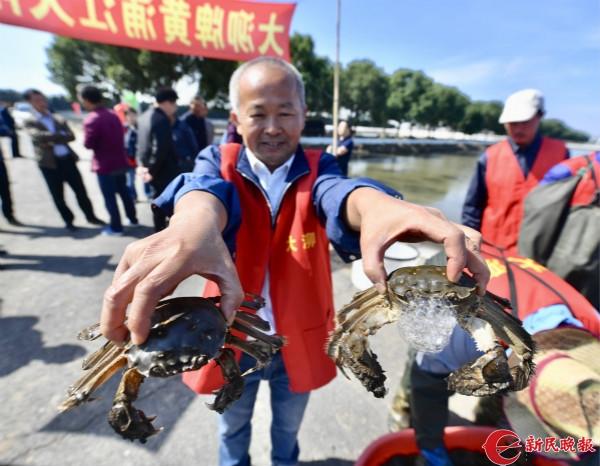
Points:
point(131, 110)
point(28, 94)
point(165, 94)
point(91, 93)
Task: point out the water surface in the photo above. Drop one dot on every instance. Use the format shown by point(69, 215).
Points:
point(438, 180)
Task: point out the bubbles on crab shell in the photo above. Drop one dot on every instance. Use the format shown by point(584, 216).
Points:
point(427, 323)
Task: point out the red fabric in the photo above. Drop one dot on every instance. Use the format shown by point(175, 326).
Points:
point(531, 294)
point(586, 189)
point(507, 188)
point(296, 254)
point(225, 29)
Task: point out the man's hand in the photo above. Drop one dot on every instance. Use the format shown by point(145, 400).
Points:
point(382, 220)
point(152, 268)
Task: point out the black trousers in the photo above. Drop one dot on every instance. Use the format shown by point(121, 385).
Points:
point(14, 142)
point(428, 407)
point(66, 172)
point(7, 206)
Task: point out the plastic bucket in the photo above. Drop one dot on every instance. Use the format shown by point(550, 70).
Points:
point(455, 438)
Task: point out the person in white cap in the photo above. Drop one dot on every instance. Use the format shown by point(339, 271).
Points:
point(509, 169)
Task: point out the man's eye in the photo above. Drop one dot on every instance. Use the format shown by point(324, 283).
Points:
point(257, 115)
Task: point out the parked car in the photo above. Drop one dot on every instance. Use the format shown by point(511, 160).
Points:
point(20, 112)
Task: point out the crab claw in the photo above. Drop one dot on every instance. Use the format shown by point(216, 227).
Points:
point(488, 375)
point(234, 383)
point(126, 420)
point(131, 423)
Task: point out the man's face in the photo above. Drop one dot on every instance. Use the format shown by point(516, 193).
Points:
point(199, 108)
point(39, 103)
point(86, 104)
point(270, 117)
point(170, 108)
point(523, 132)
point(131, 118)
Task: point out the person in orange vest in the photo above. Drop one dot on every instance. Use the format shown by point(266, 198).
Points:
point(540, 298)
point(509, 169)
point(258, 217)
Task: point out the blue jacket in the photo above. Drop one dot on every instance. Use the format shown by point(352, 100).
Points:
point(329, 194)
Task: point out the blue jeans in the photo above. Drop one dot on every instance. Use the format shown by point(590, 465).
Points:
point(130, 176)
point(111, 185)
point(287, 408)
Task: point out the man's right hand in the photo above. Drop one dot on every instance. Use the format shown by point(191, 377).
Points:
point(151, 268)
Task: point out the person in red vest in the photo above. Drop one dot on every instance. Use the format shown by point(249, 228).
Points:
point(540, 298)
point(258, 217)
point(509, 169)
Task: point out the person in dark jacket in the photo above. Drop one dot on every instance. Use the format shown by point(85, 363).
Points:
point(196, 118)
point(104, 136)
point(10, 124)
point(5, 197)
point(50, 135)
point(156, 154)
point(131, 148)
point(344, 146)
point(186, 146)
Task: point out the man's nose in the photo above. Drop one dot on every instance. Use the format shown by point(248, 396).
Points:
point(272, 125)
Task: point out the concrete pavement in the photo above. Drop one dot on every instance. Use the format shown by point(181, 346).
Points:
point(51, 286)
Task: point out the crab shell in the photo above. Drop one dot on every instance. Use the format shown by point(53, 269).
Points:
point(183, 342)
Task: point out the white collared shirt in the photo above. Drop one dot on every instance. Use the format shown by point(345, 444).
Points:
point(60, 150)
point(274, 185)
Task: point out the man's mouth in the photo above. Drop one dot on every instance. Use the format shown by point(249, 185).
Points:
point(272, 144)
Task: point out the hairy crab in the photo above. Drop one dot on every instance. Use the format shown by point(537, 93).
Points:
point(186, 334)
point(483, 317)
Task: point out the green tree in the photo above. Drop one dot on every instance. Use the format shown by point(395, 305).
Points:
point(364, 89)
point(317, 73)
point(450, 106)
point(406, 91)
point(482, 116)
point(72, 61)
point(558, 129)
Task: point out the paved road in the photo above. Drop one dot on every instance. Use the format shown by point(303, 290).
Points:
point(51, 286)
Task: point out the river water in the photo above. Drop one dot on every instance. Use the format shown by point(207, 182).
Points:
point(437, 180)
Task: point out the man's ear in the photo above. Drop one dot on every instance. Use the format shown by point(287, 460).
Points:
point(236, 121)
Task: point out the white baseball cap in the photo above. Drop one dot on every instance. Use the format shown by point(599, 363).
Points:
point(522, 106)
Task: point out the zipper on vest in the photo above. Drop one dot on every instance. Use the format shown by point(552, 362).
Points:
point(272, 214)
point(264, 195)
point(285, 190)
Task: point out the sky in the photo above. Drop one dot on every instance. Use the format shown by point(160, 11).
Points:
point(487, 49)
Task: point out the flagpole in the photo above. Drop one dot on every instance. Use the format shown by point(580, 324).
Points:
point(336, 78)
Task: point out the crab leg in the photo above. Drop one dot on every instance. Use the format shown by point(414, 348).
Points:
point(511, 331)
point(234, 383)
point(488, 374)
point(272, 340)
point(105, 362)
point(126, 420)
point(253, 320)
point(259, 350)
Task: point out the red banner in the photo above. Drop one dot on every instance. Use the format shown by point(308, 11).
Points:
point(231, 30)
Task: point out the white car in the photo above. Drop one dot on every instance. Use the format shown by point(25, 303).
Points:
point(20, 112)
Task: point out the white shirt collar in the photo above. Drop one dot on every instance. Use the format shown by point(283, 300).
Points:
point(261, 170)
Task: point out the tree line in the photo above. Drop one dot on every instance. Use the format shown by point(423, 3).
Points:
point(372, 96)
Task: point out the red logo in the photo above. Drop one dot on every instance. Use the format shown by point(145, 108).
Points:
point(498, 442)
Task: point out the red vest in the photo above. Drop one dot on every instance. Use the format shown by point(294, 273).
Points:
point(531, 293)
point(296, 253)
point(586, 189)
point(507, 188)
